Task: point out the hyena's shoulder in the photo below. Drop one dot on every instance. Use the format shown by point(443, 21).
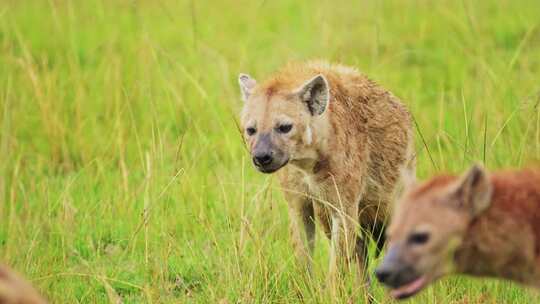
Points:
point(517, 194)
point(517, 190)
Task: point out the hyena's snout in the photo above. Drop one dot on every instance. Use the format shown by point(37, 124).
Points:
point(401, 276)
point(394, 271)
point(263, 158)
point(267, 157)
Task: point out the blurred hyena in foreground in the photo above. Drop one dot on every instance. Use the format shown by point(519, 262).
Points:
point(480, 224)
point(15, 290)
point(339, 142)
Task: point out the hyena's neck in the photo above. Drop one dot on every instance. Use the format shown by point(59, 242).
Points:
point(322, 133)
point(502, 241)
point(494, 252)
point(317, 140)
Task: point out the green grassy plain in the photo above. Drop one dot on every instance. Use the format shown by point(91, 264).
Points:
point(123, 176)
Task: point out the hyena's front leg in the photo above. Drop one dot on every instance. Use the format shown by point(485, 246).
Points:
point(343, 241)
point(302, 228)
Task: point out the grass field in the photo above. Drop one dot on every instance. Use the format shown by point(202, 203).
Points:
point(122, 173)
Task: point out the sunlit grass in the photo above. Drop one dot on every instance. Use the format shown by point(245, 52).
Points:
point(122, 172)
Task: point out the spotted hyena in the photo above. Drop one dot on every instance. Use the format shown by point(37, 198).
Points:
point(481, 224)
point(337, 142)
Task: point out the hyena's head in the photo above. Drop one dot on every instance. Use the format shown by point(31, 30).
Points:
point(428, 226)
point(277, 119)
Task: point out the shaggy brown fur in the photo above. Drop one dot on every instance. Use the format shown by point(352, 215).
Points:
point(14, 290)
point(340, 160)
point(481, 224)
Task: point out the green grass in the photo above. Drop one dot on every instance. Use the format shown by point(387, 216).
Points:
point(123, 175)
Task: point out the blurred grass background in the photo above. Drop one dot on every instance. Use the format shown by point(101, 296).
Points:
point(123, 177)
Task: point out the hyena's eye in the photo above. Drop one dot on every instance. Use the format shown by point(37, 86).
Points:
point(250, 131)
point(418, 238)
point(286, 128)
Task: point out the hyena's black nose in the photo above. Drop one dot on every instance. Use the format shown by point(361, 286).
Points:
point(262, 159)
point(382, 274)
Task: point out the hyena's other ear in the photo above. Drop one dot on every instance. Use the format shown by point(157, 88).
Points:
point(247, 85)
point(474, 191)
point(316, 94)
point(408, 177)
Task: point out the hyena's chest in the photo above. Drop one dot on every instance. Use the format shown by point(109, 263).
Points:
point(325, 195)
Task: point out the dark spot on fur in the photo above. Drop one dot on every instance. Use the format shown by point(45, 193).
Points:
point(322, 164)
point(270, 91)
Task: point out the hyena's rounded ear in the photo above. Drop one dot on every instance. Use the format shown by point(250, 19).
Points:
point(316, 94)
point(474, 190)
point(247, 85)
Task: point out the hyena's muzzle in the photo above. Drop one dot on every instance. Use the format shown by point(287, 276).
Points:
point(400, 275)
point(267, 157)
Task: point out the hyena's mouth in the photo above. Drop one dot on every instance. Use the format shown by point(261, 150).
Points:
point(271, 168)
point(409, 289)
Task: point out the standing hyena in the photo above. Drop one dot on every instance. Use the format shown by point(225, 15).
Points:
point(340, 141)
